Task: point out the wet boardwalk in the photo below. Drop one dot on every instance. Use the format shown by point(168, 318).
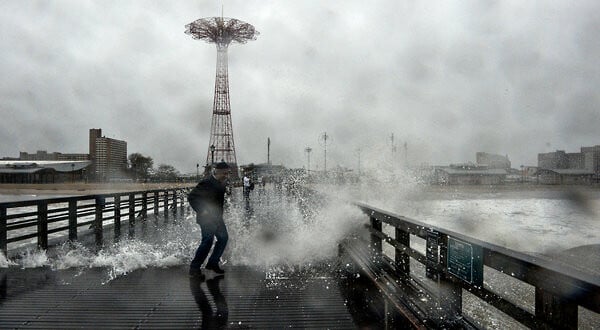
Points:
point(91, 296)
point(167, 298)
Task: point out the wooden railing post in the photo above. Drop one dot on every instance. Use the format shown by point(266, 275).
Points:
point(182, 195)
point(432, 254)
point(555, 312)
point(117, 213)
point(156, 204)
point(166, 204)
point(131, 215)
point(175, 204)
point(449, 292)
point(3, 231)
point(42, 224)
point(73, 220)
point(375, 240)
point(98, 233)
point(144, 205)
point(401, 258)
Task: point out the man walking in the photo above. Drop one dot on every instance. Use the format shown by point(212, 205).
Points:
point(248, 186)
point(207, 199)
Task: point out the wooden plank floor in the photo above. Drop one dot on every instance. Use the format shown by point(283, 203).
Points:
point(168, 298)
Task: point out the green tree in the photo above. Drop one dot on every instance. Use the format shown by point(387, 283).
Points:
point(140, 166)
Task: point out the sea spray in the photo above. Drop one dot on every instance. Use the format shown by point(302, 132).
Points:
point(34, 258)
point(277, 230)
point(72, 254)
point(5, 262)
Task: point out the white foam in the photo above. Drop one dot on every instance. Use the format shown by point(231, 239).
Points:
point(280, 231)
point(34, 259)
point(5, 262)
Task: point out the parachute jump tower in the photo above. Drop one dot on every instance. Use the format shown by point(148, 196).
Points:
point(222, 32)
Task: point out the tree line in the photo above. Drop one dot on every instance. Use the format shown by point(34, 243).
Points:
point(141, 168)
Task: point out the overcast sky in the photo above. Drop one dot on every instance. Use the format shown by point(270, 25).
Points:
point(449, 78)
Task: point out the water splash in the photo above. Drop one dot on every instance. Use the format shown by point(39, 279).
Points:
point(127, 256)
point(5, 262)
point(277, 228)
point(34, 259)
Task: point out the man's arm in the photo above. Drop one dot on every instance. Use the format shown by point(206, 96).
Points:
point(196, 198)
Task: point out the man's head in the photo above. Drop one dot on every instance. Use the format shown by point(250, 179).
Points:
point(221, 171)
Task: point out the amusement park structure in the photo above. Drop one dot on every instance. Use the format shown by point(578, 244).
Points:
point(221, 31)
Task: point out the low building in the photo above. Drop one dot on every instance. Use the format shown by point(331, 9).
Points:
point(42, 171)
point(565, 176)
point(44, 155)
point(469, 174)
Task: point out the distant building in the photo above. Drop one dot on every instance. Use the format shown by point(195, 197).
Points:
point(592, 158)
point(553, 160)
point(575, 160)
point(560, 167)
point(44, 155)
point(492, 161)
point(108, 156)
point(562, 160)
point(94, 134)
point(469, 174)
point(42, 171)
point(565, 176)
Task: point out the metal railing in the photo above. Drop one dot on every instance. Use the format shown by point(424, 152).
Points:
point(455, 262)
point(24, 221)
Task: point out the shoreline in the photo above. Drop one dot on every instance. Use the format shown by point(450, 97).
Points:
point(510, 187)
point(79, 188)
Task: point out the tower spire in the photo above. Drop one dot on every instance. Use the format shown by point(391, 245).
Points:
point(221, 32)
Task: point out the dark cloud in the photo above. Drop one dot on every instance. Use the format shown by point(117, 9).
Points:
point(449, 79)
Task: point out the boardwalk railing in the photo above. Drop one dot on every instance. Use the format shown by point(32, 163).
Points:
point(454, 263)
point(23, 221)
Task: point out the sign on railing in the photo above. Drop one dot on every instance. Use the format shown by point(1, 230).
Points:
point(465, 261)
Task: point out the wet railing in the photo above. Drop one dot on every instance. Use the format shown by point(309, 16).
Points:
point(454, 264)
point(24, 221)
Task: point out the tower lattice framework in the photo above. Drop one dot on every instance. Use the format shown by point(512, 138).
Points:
point(222, 32)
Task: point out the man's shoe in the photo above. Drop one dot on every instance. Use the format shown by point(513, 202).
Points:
point(196, 274)
point(215, 268)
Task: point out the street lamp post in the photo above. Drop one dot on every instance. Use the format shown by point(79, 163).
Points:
point(197, 171)
point(308, 150)
point(522, 175)
point(212, 154)
point(358, 152)
point(324, 137)
point(72, 172)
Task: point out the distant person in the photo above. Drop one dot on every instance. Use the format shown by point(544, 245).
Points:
point(207, 199)
point(248, 186)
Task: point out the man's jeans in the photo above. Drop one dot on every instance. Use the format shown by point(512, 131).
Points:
point(211, 228)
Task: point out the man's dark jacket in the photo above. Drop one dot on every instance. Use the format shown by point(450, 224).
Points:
point(207, 199)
